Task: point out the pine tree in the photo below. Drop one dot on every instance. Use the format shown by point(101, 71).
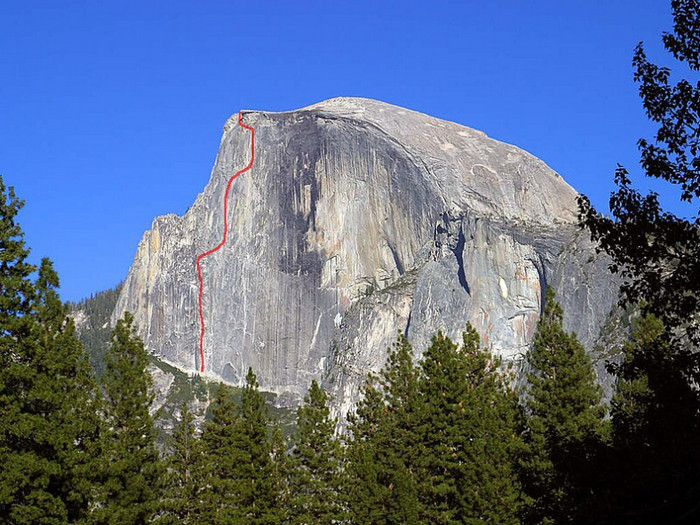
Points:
point(16, 294)
point(134, 473)
point(382, 452)
point(656, 430)
point(65, 393)
point(254, 483)
point(397, 444)
point(95, 331)
point(281, 477)
point(220, 458)
point(315, 463)
point(16, 289)
point(25, 473)
point(183, 482)
point(366, 489)
point(469, 435)
point(565, 424)
point(49, 426)
point(240, 482)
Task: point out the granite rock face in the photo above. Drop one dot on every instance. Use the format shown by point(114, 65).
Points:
point(358, 220)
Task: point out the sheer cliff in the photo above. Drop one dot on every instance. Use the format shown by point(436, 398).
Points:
point(358, 220)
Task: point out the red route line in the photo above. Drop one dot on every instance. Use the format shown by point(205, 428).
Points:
point(223, 241)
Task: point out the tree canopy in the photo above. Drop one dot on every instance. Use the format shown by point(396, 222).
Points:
point(656, 251)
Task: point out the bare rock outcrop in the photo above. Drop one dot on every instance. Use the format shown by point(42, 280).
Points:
point(358, 220)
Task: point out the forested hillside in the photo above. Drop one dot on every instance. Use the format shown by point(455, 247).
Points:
point(92, 316)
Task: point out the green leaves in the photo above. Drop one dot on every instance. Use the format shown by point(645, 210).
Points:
point(469, 429)
point(655, 410)
point(133, 475)
point(566, 420)
point(436, 443)
point(381, 487)
point(184, 481)
point(49, 403)
point(15, 285)
point(657, 252)
point(655, 427)
point(315, 463)
point(239, 483)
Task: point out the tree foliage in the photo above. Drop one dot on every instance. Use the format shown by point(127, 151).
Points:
point(219, 449)
point(255, 484)
point(95, 332)
point(239, 475)
point(469, 434)
point(656, 251)
point(655, 410)
point(15, 271)
point(315, 463)
point(133, 471)
point(183, 483)
point(656, 429)
point(381, 483)
point(437, 442)
point(49, 403)
point(565, 421)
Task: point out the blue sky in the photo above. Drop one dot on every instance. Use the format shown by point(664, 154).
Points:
point(111, 112)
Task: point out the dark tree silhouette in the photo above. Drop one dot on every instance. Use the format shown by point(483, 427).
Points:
point(656, 251)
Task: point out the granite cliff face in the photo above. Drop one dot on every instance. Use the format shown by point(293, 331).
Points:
point(358, 220)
